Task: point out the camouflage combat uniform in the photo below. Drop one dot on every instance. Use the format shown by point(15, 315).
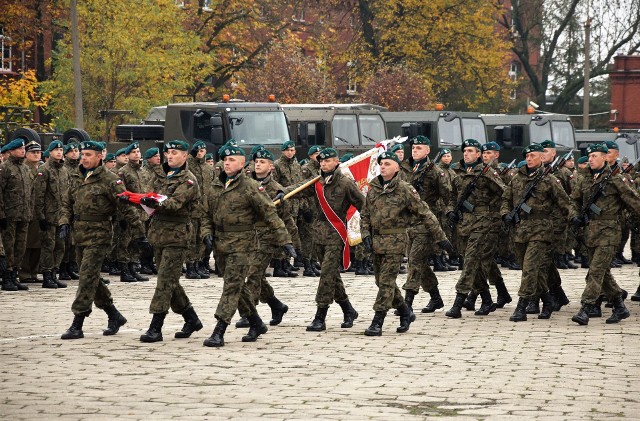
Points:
point(132, 176)
point(204, 176)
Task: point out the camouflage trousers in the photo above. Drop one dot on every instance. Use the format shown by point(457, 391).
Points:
point(70, 253)
point(419, 272)
point(196, 247)
point(385, 270)
point(235, 293)
point(257, 283)
point(305, 232)
point(14, 239)
point(599, 278)
point(169, 294)
point(52, 250)
point(480, 248)
point(90, 289)
point(534, 257)
point(330, 287)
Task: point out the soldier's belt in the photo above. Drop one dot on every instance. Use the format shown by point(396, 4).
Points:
point(235, 228)
point(92, 218)
point(481, 209)
point(387, 231)
point(170, 218)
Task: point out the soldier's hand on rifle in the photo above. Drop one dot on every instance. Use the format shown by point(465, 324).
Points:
point(453, 217)
point(446, 246)
point(208, 241)
point(288, 248)
point(64, 230)
point(43, 224)
point(149, 202)
point(578, 222)
point(368, 244)
point(508, 220)
point(142, 244)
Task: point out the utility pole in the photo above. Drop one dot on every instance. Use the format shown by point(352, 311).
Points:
point(587, 72)
point(77, 81)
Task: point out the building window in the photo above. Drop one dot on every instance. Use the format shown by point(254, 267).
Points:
point(206, 6)
point(180, 4)
point(5, 50)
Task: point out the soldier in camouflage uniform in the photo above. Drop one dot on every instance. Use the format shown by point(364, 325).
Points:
point(110, 161)
point(71, 163)
point(602, 232)
point(236, 204)
point(151, 172)
point(51, 185)
point(533, 235)
point(30, 260)
point(389, 201)
point(432, 184)
point(479, 228)
point(16, 206)
point(307, 214)
point(91, 204)
point(170, 233)
point(340, 193)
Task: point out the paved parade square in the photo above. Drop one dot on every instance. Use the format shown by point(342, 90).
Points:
point(469, 368)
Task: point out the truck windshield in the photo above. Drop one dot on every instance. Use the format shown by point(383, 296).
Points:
point(563, 134)
point(539, 134)
point(473, 128)
point(345, 130)
point(372, 129)
point(449, 133)
point(628, 151)
point(258, 127)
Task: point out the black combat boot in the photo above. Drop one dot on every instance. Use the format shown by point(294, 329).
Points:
point(584, 262)
point(435, 302)
point(116, 320)
point(7, 285)
point(533, 307)
point(75, 330)
point(191, 324)
point(16, 281)
point(503, 297)
point(376, 324)
point(445, 262)
point(406, 318)
point(298, 261)
point(154, 334)
point(106, 266)
point(289, 270)
point(559, 297)
point(278, 270)
point(315, 265)
point(256, 328)
point(636, 296)
point(206, 265)
point(145, 265)
point(519, 314)
point(408, 298)
point(624, 297)
point(200, 270)
point(47, 280)
point(308, 270)
point(359, 265)
point(133, 271)
point(438, 264)
point(547, 306)
point(559, 261)
point(278, 310)
point(57, 281)
point(115, 269)
point(318, 325)
point(456, 310)
point(125, 275)
point(582, 316)
point(242, 323)
point(512, 263)
point(191, 271)
point(620, 312)
point(568, 262)
point(487, 306)
point(596, 309)
point(63, 273)
point(350, 314)
point(470, 301)
point(73, 270)
point(217, 337)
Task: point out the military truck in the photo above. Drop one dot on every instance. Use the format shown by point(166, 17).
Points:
point(515, 132)
point(353, 128)
point(445, 129)
point(18, 122)
point(628, 141)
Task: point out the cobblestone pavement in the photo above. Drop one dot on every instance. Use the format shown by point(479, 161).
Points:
point(470, 368)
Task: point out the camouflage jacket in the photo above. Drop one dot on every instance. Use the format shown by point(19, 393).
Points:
point(92, 204)
point(310, 169)
point(272, 187)
point(486, 198)
point(606, 229)
point(204, 176)
point(341, 193)
point(536, 226)
point(234, 212)
point(51, 185)
point(386, 214)
point(288, 171)
point(132, 176)
point(170, 224)
point(16, 190)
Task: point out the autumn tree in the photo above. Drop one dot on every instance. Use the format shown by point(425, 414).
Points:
point(398, 89)
point(20, 91)
point(135, 54)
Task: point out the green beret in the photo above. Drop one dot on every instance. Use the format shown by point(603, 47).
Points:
point(287, 145)
point(611, 145)
point(151, 152)
point(198, 145)
point(304, 161)
point(45, 154)
point(536, 147)
point(346, 157)
point(421, 140)
point(91, 145)
point(445, 151)
point(597, 147)
point(388, 155)
point(231, 142)
point(208, 157)
point(70, 146)
point(110, 157)
point(177, 144)
point(231, 151)
point(314, 149)
point(120, 152)
point(33, 146)
point(134, 145)
point(263, 154)
point(55, 145)
point(583, 160)
point(490, 146)
point(548, 144)
point(327, 153)
point(521, 164)
point(471, 143)
point(397, 147)
point(104, 145)
point(255, 149)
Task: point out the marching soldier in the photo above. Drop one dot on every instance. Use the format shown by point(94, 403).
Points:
point(31, 258)
point(308, 213)
point(91, 204)
point(71, 163)
point(391, 200)
point(601, 218)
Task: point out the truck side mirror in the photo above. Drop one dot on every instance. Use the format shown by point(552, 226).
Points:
point(217, 134)
point(303, 134)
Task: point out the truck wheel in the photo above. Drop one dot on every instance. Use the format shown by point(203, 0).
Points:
point(26, 133)
point(75, 136)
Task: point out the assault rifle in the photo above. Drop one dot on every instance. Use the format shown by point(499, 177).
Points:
point(508, 167)
point(463, 204)
point(590, 206)
point(417, 184)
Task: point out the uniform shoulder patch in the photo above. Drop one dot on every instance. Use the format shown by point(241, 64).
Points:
point(40, 174)
point(260, 188)
point(189, 182)
point(118, 181)
point(441, 174)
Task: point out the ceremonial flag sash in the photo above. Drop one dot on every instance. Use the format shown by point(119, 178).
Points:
point(335, 222)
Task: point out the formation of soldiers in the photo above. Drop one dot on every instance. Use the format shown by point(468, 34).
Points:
point(74, 211)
